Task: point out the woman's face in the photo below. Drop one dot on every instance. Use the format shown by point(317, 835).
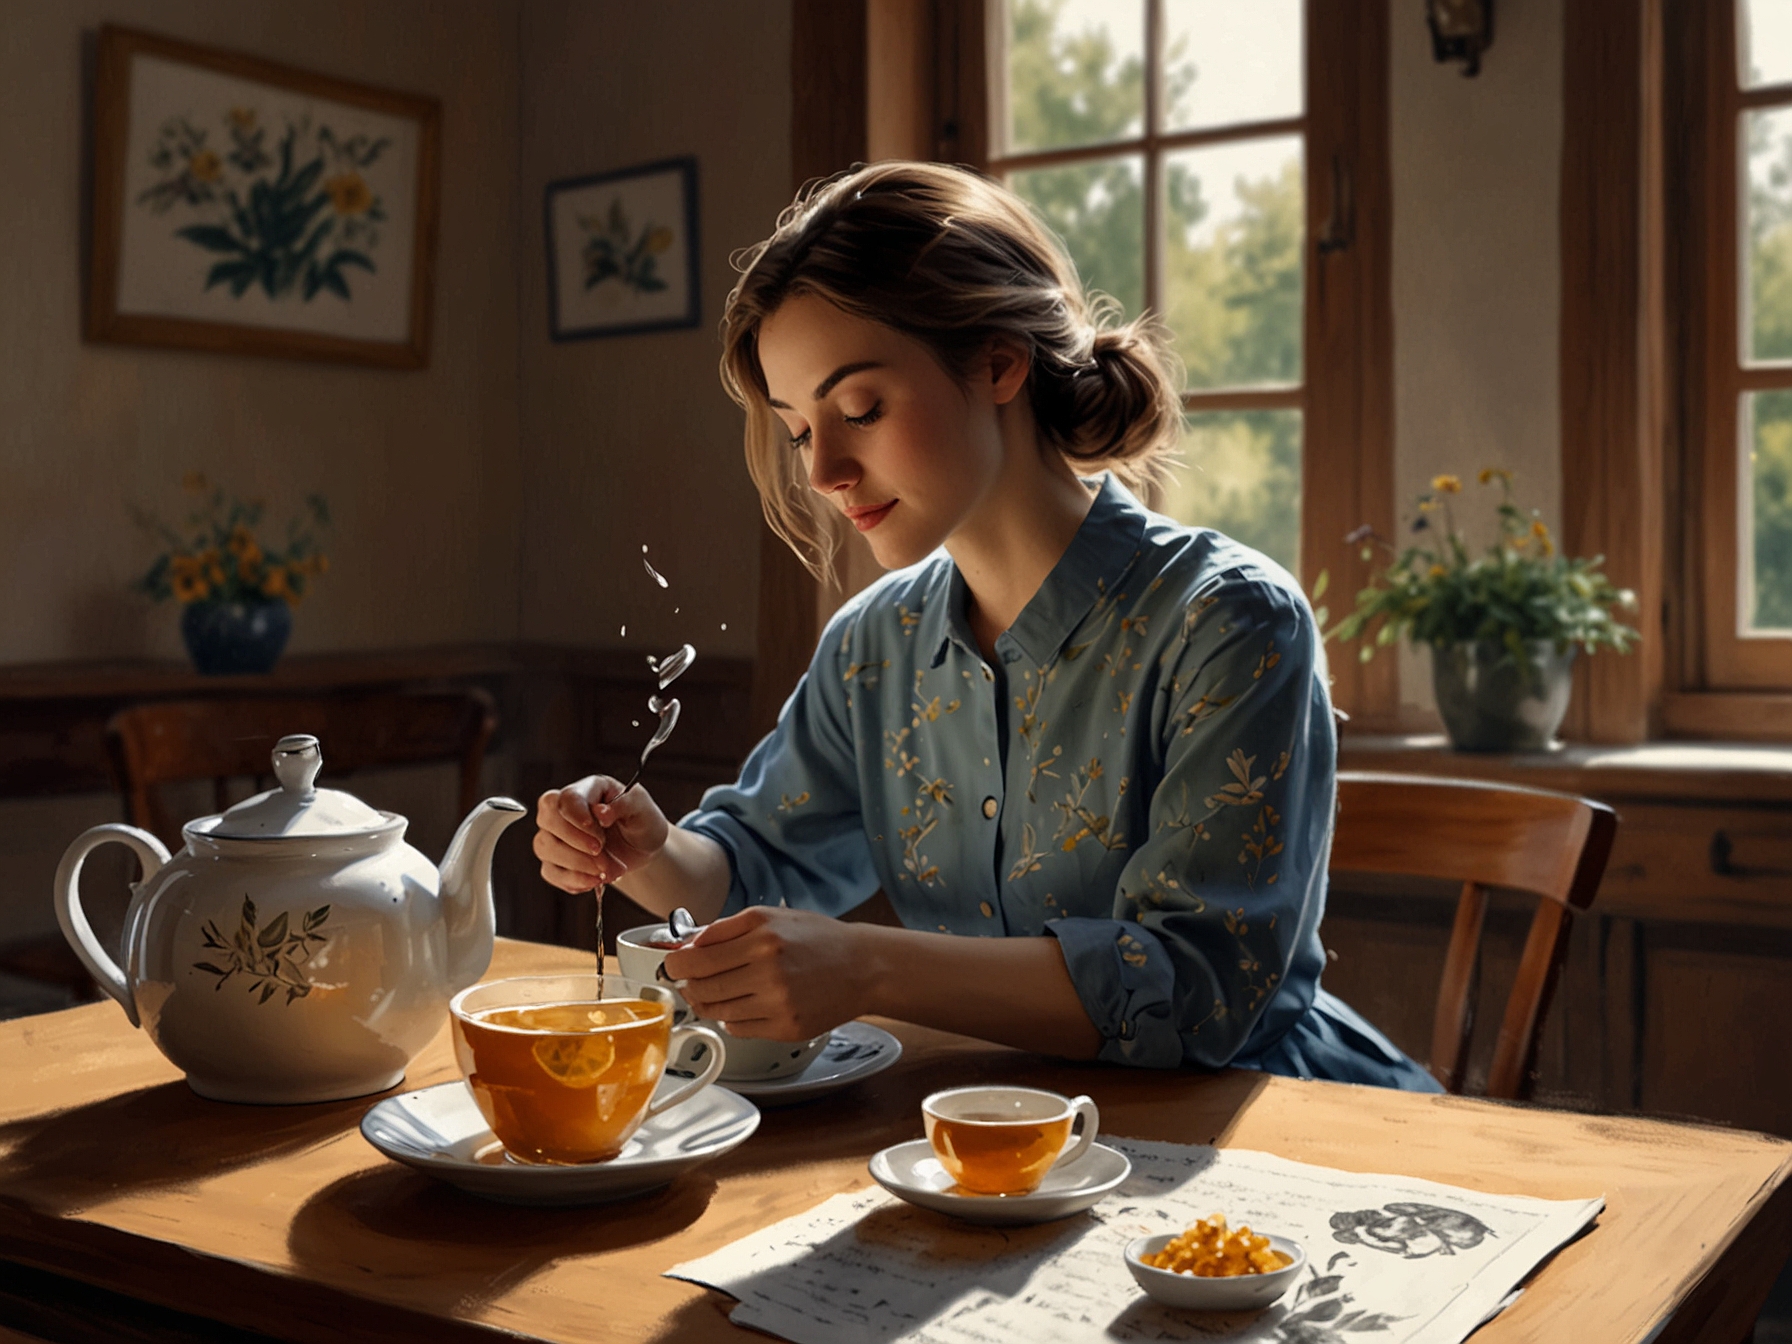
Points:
point(886, 435)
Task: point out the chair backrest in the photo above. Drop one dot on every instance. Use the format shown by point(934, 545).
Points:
point(232, 737)
point(1551, 845)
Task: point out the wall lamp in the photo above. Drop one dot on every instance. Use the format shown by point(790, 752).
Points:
point(1460, 31)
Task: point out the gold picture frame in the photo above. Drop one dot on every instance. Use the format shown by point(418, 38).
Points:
point(246, 207)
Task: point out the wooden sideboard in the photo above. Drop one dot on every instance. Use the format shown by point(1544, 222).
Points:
point(561, 713)
point(1672, 997)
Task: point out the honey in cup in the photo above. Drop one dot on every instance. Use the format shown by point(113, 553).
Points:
point(1004, 1140)
point(563, 1075)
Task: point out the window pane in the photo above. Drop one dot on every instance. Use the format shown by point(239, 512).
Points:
point(1766, 306)
point(1234, 237)
point(1076, 72)
point(1098, 210)
point(1241, 474)
point(1764, 540)
point(1764, 36)
point(1227, 62)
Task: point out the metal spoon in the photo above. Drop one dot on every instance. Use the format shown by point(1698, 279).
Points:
point(668, 712)
point(681, 924)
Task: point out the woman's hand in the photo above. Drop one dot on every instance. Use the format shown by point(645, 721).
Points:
point(773, 973)
point(590, 833)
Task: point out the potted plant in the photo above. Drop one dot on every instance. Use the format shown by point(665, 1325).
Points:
point(236, 593)
point(1503, 626)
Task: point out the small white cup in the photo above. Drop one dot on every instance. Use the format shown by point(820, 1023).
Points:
point(642, 954)
point(1005, 1140)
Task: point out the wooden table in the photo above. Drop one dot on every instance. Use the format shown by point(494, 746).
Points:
point(284, 1222)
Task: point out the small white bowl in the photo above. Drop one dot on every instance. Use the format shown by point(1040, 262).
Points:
point(1241, 1292)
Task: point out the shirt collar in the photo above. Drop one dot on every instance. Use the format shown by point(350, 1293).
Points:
point(1103, 549)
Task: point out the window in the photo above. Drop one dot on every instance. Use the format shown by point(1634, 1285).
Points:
point(1225, 164)
point(1743, 464)
point(1166, 142)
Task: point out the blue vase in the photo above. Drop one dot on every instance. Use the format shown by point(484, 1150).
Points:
point(228, 638)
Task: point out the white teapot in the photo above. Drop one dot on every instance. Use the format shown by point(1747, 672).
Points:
point(297, 949)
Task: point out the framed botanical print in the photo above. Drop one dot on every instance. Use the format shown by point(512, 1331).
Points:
point(622, 251)
point(245, 206)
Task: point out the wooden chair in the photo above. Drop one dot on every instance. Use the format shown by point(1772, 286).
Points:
point(1551, 845)
point(232, 737)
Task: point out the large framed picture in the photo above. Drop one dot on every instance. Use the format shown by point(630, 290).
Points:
point(622, 251)
point(244, 206)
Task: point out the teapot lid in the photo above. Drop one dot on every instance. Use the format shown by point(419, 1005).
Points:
point(296, 808)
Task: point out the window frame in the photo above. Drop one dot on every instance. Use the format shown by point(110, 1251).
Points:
point(1728, 659)
point(1345, 392)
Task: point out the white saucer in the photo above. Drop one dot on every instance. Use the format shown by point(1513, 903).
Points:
point(910, 1171)
point(440, 1131)
point(855, 1050)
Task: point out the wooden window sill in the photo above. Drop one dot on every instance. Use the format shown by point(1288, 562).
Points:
point(1678, 771)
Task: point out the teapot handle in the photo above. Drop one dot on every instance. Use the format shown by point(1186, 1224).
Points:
point(73, 919)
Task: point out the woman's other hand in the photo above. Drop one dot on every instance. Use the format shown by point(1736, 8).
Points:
point(591, 833)
point(773, 973)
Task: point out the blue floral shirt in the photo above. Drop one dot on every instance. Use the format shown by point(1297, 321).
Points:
point(1145, 770)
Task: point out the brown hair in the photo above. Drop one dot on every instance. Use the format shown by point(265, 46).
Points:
point(950, 259)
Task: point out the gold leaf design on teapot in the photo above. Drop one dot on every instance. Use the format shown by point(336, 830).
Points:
point(267, 959)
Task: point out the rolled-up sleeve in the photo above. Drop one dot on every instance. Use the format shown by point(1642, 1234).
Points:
point(791, 824)
point(1213, 904)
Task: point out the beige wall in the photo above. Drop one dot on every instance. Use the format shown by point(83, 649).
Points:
point(1476, 280)
point(420, 466)
point(631, 441)
point(505, 490)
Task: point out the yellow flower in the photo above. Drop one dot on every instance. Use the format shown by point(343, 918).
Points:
point(205, 166)
point(211, 564)
point(659, 239)
point(243, 546)
point(277, 585)
point(349, 194)
point(1447, 485)
point(243, 118)
point(1491, 474)
point(189, 586)
point(247, 568)
point(1438, 571)
point(1540, 531)
point(319, 563)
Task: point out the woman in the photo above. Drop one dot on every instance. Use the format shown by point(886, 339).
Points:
point(1088, 753)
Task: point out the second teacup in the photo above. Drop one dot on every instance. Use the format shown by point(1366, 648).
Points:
point(641, 952)
point(1003, 1140)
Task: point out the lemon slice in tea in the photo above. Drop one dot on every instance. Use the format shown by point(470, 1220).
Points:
point(575, 1061)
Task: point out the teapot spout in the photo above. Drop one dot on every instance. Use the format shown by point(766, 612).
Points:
point(467, 888)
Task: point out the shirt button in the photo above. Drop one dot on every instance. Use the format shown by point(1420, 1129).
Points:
point(989, 911)
point(989, 808)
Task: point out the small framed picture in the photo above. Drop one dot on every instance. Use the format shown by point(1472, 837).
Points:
point(247, 207)
point(622, 251)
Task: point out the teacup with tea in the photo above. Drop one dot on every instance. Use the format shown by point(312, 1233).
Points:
point(1005, 1140)
point(565, 1067)
point(641, 952)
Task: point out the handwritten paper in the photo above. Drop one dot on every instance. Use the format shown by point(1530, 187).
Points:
point(1391, 1260)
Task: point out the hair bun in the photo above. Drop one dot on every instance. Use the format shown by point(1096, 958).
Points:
point(1123, 401)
